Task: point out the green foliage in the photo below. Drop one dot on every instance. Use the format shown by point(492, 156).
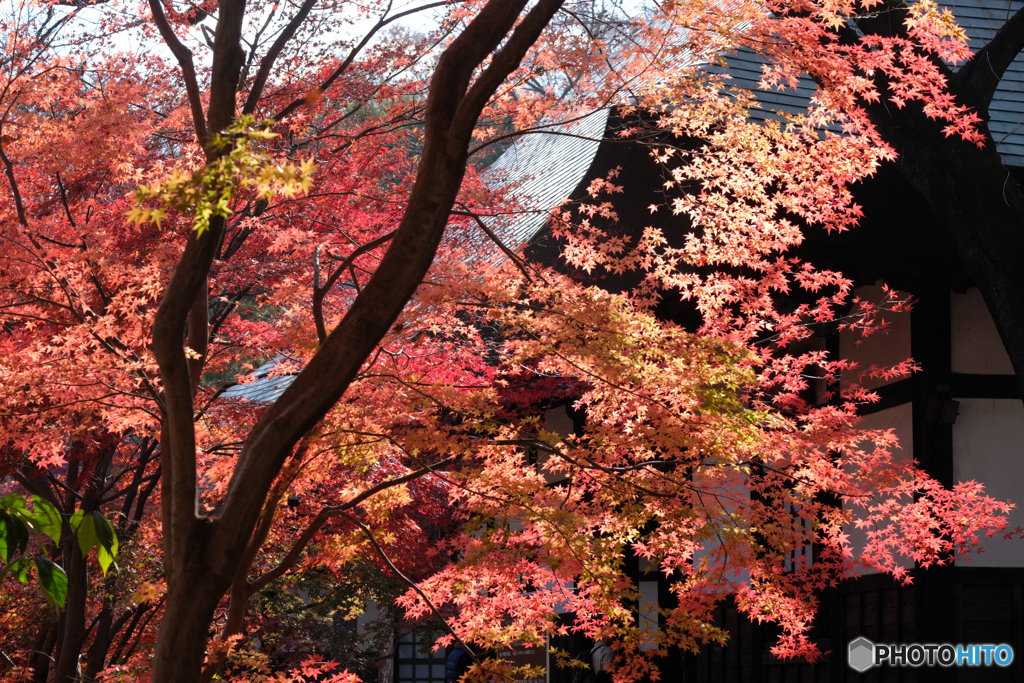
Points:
point(208, 192)
point(17, 521)
point(52, 580)
point(94, 531)
point(17, 524)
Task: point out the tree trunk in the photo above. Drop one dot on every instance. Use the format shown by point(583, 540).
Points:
point(202, 556)
point(192, 596)
point(66, 670)
point(77, 568)
point(97, 654)
point(39, 658)
point(233, 625)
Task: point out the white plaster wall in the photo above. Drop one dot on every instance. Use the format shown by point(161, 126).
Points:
point(883, 349)
point(562, 606)
point(706, 552)
point(371, 612)
point(648, 616)
point(901, 419)
point(818, 386)
point(556, 420)
point(988, 447)
point(977, 349)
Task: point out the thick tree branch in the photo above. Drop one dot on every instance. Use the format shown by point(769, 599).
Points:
point(267, 63)
point(9, 172)
point(206, 554)
point(401, 271)
point(320, 292)
point(198, 337)
point(135, 615)
point(74, 633)
point(64, 200)
point(505, 61)
point(145, 454)
point(178, 451)
point(228, 58)
point(241, 590)
point(140, 503)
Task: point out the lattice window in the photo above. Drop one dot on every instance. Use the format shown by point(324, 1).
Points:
point(417, 663)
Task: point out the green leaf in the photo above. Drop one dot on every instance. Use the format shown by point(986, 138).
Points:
point(104, 531)
point(94, 531)
point(12, 500)
point(19, 569)
point(107, 550)
point(5, 522)
point(13, 536)
point(52, 580)
point(76, 519)
point(48, 518)
point(106, 558)
point(85, 528)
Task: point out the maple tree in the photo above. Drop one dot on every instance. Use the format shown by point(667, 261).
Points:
point(102, 288)
point(154, 208)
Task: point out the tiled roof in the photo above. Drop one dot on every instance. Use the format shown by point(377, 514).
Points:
point(264, 389)
point(979, 18)
point(549, 166)
point(744, 70)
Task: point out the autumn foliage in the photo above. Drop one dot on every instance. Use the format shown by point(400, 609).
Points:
point(172, 221)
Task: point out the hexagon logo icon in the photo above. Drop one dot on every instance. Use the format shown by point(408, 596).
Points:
point(861, 654)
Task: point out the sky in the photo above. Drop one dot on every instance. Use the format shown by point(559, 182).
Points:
point(135, 42)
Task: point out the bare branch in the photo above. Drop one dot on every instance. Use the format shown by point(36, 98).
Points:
point(295, 104)
point(267, 63)
point(188, 69)
point(412, 584)
point(520, 264)
point(505, 61)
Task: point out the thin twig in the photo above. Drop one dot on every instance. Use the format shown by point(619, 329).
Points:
point(412, 584)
